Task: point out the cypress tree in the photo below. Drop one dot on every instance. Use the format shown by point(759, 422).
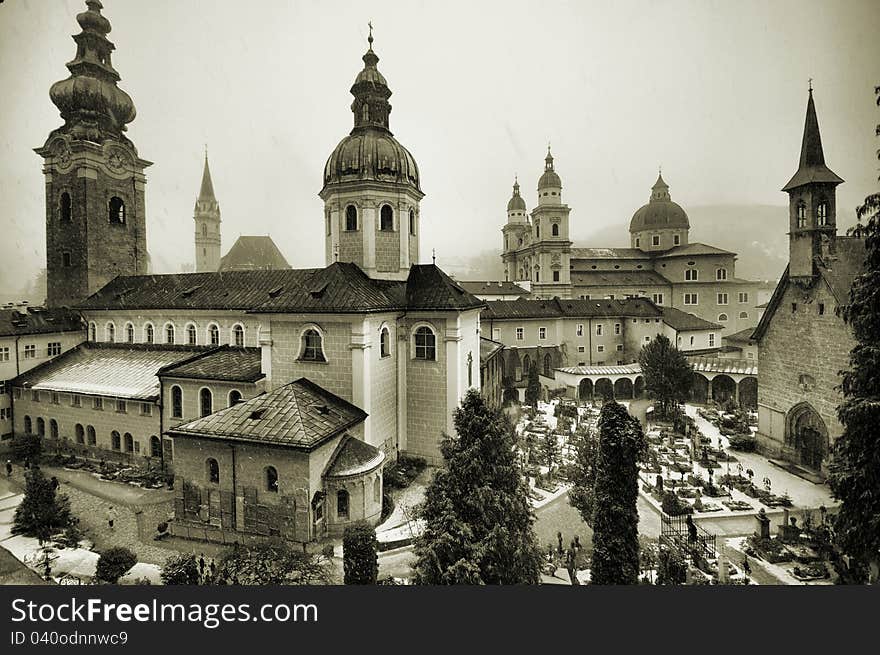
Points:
point(668, 374)
point(533, 388)
point(360, 561)
point(478, 519)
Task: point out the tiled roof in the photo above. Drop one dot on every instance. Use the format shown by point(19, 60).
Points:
point(118, 370)
point(684, 321)
point(488, 348)
point(741, 336)
point(520, 308)
point(626, 369)
point(489, 288)
point(38, 320)
point(618, 278)
point(353, 457)
point(693, 249)
point(299, 414)
point(252, 253)
point(608, 253)
point(724, 365)
point(428, 287)
point(225, 363)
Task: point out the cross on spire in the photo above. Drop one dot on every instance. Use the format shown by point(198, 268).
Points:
point(370, 38)
point(810, 82)
point(434, 255)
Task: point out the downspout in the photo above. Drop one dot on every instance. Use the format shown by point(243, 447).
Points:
point(234, 487)
point(161, 426)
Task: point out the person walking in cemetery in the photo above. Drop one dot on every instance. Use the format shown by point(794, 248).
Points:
point(111, 516)
point(8, 468)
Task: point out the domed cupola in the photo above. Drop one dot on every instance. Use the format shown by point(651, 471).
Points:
point(370, 151)
point(661, 224)
point(92, 106)
point(516, 206)
point(549, 185)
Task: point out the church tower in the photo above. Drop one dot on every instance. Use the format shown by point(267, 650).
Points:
point(551, 275)
point(95, 212)
point(515, 235)
point(207, 219)
point(371, 188)
point(812, 203)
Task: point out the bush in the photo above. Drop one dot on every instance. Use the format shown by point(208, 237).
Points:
point(672, 506)
point(181, 570)
point(400, 474)
point(114, 563)
point(743, 442)
point(671, 567)
point(27, 447)
point(359, 559)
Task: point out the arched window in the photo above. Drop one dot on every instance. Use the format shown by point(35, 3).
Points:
point(342, 504)
point(412, 222)
point(116, 210)
point(53, 428)
point(801, 215)
point(234, 397)
point(129, 443)
point(111, 332)
point(191, 337)
point(155, 446)
point(149, 333)
point(129, 333)
point(377, 490)
point(822, 214)
point(176, 402)
point(554, 229)
point(115, 440)
point(312, 346)
point(91, 436)
point(721, 274)
point(214, 335)
point(537, 229)
point(271, 479)
point(425, 343)
point(548, 365)
point(80, 434)
point(206, 402)
point(64, 207)
point(351, 218)
point(93, 332)
point(238, 336)
point(722, 317)
point(169, 333)
point(386, 218)
point(204, 229)
point(28, 425)
point(213, 470)
point(41, 426)
point(743, 314)
point(384, 343)
point(527, 366)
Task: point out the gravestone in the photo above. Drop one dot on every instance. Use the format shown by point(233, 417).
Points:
point(723, 574)
point(763, 531)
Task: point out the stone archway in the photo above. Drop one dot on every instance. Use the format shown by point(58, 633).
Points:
point(604, 389)
point(806, 432)
point(748, 393)
point(585, 389)
point(723, 388)
point(639, 386)
point(700, 389)
point(623, 388)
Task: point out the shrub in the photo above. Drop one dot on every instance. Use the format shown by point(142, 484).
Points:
point(27, 447)
point(400, 474)
point(328, 551)
point(743, 442)
point(672, 506)
point(114, 563)
point(181, 570)
point(359, 559)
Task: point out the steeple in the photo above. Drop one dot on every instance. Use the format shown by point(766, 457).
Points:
point(370, 90)
point(207, 224)
point(660, 190)
point(812, 166)
point(206, 194)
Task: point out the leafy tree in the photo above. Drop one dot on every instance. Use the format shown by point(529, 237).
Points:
point(272, 565)
point(41, 513)
point(583, 477)
point(27, 447)
point(533, 387)
point(550, 449)
point(181, 569)
point(855, 464)
point(114, 563)
point(359, 554)
point(668, 374)
point(509, 394)
point(671, 567)
point(615, 516)
point(478, 519)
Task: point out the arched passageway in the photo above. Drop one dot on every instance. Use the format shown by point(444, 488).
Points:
point(723, 388)
point(604, 390)
point(623, 388)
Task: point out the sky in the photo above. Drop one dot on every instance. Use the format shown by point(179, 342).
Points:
point(714, 92)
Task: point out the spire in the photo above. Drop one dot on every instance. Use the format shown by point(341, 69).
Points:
point(660, 190)
point(206, 193)
point(548, 160)
point(371, 93)
point(812, 166)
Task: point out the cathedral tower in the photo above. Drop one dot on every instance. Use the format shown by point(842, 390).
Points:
point(95, 213)
point(207, 219)
point(371, 188)
point(812, 202)
point(515, 235)
point(551, 275)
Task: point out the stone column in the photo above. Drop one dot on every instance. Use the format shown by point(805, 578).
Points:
point(402, 356)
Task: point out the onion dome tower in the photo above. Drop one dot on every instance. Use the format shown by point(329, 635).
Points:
point(515, 234)
point(371, 187)
point(550, 264)
point(95, 212)
point(207, 223)
point(661, 224)
point(812, 202)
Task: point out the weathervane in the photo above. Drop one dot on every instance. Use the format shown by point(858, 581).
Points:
point(434, 255)
point(810, 82)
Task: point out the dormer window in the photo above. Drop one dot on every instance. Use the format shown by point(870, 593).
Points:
point(802, 215)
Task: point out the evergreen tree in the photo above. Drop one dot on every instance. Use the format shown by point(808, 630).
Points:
point(360, 561)
point(478, 519)
point(855, 465)
point(114, 563)
point(41, 512)
point(181, 569)
point(668, 374)
point(582, 493)
point(533, 388)
point(550, 448)
point(615, 516)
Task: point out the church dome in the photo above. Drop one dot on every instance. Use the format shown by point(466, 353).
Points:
point(549, 179)
point(516, 202)
point(660, 212)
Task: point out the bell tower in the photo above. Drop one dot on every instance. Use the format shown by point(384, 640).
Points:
point(207, 223)
point(812, 202)
point(95, 213)
point(551, 272)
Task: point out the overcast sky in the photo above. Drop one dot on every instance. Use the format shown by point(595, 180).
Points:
point(715, 92)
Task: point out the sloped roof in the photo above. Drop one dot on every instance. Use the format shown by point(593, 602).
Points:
point(488, 348)
point(724, 365)
point(299, 414)
point(100, 369)
point(522, 308)
point(608, 253)
point(206, 192)
point(490, 288)
point(353, 457)
point(625, 369)
point(685, 321)
point(743, 336)
point(252, 253)
point(38, 320)
point(811, 167)
point(618, 278)
point(693, 248)
point(428, 287)
point(225, 363)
